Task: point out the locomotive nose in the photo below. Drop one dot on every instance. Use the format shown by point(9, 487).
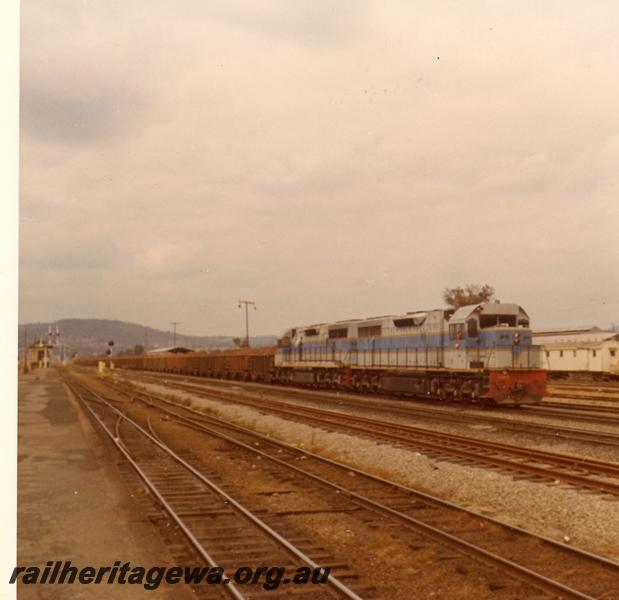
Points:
point(517, 387)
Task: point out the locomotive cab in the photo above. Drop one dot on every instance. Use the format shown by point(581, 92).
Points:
point(491, 335)
point(495, 337)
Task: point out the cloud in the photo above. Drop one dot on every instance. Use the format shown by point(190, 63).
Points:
point(305, 21)
point(79, 83)
point(76, 111)
point(325, 159)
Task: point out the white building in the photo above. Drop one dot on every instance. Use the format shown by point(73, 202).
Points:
point(584, 349)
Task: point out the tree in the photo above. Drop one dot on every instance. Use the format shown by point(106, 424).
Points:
point(138, 349)
point(471, 293)
point(241, 343)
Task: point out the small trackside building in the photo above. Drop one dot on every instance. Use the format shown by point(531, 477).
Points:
point(579, 350)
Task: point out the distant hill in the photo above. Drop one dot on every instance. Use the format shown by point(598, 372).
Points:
point(91, 336)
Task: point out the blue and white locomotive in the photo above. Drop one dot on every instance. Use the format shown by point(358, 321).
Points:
point(477, 353)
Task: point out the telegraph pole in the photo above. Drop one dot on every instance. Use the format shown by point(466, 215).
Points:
point(174, 324)
point(247, 303)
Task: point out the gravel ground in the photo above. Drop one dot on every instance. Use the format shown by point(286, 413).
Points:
point(333, 396)
point(467, 427)
point(563, 513)
point(486, 431)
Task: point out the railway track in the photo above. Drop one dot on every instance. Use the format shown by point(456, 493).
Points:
point(608, 415)
point(427, 410)
point(612, 399)
point(589, 409)
point(584, 392)
point(601, 387)
point(544, 563)
point(222, 531)
point(537, 465)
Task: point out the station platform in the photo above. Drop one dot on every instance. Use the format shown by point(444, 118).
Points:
point(72, 501)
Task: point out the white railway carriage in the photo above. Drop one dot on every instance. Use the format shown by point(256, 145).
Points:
point(433, 352)
point(580, 350)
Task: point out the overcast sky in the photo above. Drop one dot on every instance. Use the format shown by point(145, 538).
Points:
point(327, 159)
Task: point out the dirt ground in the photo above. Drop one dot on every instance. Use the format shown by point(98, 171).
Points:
point(72, 502)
